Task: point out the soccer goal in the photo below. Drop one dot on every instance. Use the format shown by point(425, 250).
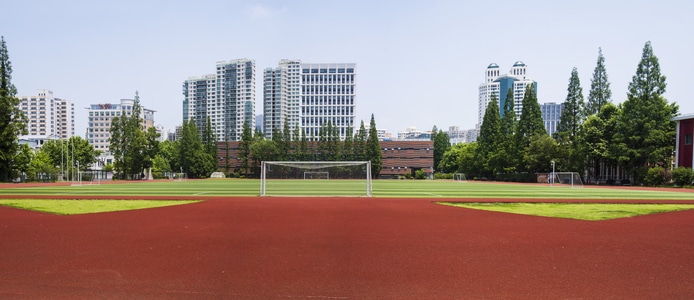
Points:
point(86, 177)
point(178, 177)
point(571, 179)
point(459, 177)
point(315, 178)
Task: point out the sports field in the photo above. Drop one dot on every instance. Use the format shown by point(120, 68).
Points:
point(399, 244)
point(381, 188)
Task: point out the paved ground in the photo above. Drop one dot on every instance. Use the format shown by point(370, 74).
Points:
point(344, 248)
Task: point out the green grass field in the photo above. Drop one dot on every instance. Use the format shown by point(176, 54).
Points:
point(381, 188)
point(75, 207)
point(578, 211)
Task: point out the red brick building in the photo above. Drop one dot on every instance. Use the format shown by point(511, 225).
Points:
point(683, 146)
point(399, 157)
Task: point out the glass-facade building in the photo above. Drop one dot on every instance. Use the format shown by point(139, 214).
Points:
point(551, 115)
point(226, 97)
point(497, 84)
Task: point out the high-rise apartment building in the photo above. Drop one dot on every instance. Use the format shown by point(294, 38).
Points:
point(227, 98)
point(551, 115)
point(309, 95)
point(101, 115)
point(48, 117)
point(497, 84)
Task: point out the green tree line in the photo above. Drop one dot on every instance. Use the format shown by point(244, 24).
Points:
point(636, 135)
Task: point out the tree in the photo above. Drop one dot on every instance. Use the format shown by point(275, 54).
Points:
point(570, 123)
point(209, 141)
point(507, 149)
point(12, 121)
point(360, 143)
point(530, 123)
point(646, 131)
point(442, 143)
point(70, 154)
point(597, 138)
point(244, 153)
point(265, 150)
point(540, 153)
point(348, 145)
point(488, 140)
point(459, 159)
point(373, 149)
point(41, 166)
point(23, 158)
point(128, 143)
point(600, 93)
point(166, 158)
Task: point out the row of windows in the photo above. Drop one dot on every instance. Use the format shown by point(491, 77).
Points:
point(322, 79)
point(327, 89)
point(327, 100)
point(328, 70)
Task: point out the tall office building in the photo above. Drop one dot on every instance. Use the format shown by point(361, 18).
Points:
point(309, 95)
point(48, 117)
point(497, 84)
point(227, 98)
point(101, 115)
point(551, 115)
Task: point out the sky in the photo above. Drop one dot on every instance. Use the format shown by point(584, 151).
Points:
point(419, 63)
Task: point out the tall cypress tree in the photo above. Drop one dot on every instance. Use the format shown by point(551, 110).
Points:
point(348, 145)
point(646, 132)
point(360, 143)
point(489, 138)
point(600, 93)
point(572, 118)
point(245, 147)
point(530, 123)
point(508, 128)
point(12, 121)
point(373, 149)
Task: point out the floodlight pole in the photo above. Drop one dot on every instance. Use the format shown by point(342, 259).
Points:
point(552, 183)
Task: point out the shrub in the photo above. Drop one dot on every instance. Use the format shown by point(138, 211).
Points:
point(655, 176)
point(682, 176)
point(419, 174)
point(443, 175)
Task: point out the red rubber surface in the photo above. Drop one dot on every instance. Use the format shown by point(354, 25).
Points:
point(341, 248)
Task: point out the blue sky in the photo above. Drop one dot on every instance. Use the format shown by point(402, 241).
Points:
point(419, 63)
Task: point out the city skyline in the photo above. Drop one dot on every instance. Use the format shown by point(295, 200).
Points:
point(420, 63)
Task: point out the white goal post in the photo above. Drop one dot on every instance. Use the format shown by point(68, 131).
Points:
point(315, 178)
point(459, 177)
point(571, 179)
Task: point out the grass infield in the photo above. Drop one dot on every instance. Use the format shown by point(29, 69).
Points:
point(578, 211)
point(73, 207)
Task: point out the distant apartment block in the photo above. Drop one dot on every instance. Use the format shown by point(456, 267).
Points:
point(227, 98)
point(101, 116)
point(48, 117)
point(551, 115)
point(309, 95)
point(498, 84)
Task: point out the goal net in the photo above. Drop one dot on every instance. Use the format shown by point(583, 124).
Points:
point(571, 179)
point(86, 178)
point(459, 177)
point(315, 178)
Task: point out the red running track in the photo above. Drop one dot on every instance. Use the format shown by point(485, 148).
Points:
point(344, 248)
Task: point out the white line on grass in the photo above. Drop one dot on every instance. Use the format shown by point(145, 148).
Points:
point(435, 195)
point(200, 193)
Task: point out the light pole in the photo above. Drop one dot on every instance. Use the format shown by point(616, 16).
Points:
point(552, 183)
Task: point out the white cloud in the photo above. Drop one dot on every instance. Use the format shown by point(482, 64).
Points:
point(260, 11)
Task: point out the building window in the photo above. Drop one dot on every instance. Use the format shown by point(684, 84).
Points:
point(688, 139)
